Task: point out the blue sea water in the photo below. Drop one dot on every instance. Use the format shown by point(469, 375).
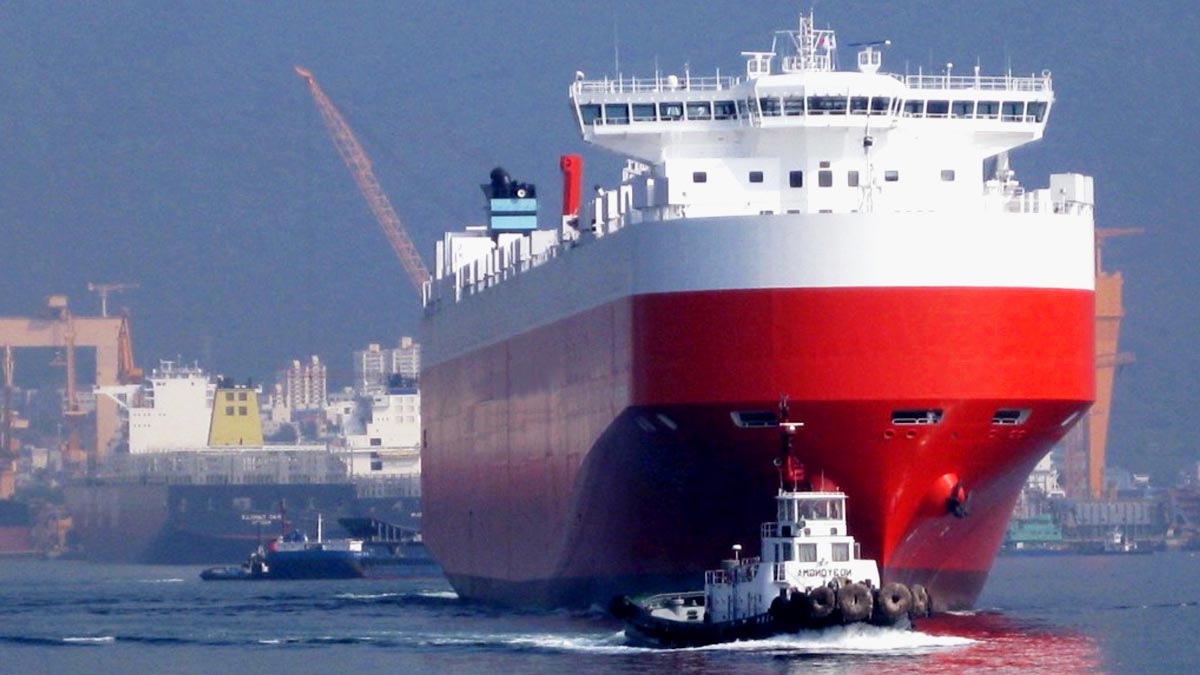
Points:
point(1114, 614)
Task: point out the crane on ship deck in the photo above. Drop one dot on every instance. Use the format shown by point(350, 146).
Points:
point(356, 161)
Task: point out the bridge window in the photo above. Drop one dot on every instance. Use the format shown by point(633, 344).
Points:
point(1013, 111)
point(825, 178)
point(769, 105)
point(914, 108)
point(643, 112)
point(988, 109)
point(743, 109)
point(793, 106)
point(670, 111)
point(699, 110)
point(880, 105)
point(962, 109)
point(590, 114)
point(826, 105)
point(852, 178)
point(699, 176)
point(616, 113)
point(937, 108)
point(756, 176)
point(858, 105)
point(891, 175)
point(1036, 110)
point(796, 179)
point(725, 110)
point(948, 175)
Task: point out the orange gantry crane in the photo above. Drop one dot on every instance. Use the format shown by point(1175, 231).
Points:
point(360, 167)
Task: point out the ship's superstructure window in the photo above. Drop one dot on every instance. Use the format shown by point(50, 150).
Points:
point(756, 176)
point(699, 110)
point(643, 112)
point(589, 113)
point(914, 108)
point(921, 416)
point(1013, 111)
point(616, 113)
point(948, 175)
point(670, 111)
point(769, 106)
point(242, 410)
point(825, 178)
point(793, 106)
point(891, 175)
point(796, 179)
point(937, 108)
point(826, 105)
point(859, 104)
point(1010, 417)
point(725, 110)
point(962, 109)
point(880, 105)
point(852, 178)
point(229, 410)
point(987, 109)
point(1036, 110)
point(699, 176)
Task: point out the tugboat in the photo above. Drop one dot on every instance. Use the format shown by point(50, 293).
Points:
point(809, 575)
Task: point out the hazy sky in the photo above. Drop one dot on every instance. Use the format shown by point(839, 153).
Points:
point(173, 146)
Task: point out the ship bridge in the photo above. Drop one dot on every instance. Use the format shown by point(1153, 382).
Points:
point(794, 135)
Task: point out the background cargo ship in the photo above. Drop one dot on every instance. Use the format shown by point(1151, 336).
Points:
point(598, 399)
point(199, 486)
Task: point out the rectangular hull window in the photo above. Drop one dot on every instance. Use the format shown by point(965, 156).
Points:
point(917, 416)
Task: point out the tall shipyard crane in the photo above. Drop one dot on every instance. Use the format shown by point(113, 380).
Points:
point(360, 167)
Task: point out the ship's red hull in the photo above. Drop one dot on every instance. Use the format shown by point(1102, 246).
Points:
point(597, 454)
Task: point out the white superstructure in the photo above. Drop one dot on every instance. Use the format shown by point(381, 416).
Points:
point(172, 410)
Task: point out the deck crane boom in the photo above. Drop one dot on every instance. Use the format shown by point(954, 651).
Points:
point(360, 167)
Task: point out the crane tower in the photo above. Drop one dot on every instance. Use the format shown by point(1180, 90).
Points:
point(360, 167)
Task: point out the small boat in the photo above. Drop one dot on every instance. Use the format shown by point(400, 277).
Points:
point(254, 568)
point(809, 575)
point(375, 549)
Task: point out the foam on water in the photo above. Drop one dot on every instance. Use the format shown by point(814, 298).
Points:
point(101, 639)
point(172, 580)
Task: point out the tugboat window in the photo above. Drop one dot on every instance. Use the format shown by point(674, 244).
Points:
point(808, 552)
point(841, 552)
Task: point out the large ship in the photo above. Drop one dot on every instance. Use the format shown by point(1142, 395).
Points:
point(599, 399)
point(197, 483)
